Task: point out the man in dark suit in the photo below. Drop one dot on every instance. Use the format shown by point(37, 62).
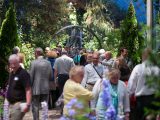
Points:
point(41, 74)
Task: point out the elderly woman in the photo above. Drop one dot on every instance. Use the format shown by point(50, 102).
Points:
point(73, 89)
point(119, 97)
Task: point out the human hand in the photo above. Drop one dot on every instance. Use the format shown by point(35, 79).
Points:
point(57, 85)
point(26, 109)
point(56, 81)
point(127, 116)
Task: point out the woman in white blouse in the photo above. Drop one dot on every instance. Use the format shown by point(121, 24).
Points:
point(119, 97)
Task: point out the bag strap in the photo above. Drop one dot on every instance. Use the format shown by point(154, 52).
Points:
point(97, 71)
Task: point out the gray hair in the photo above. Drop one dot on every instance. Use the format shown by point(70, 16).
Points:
point(14, 57)
point(39, 51)
point(47, 49)
point(113, 72)
point(75, 70)
point(16, 50)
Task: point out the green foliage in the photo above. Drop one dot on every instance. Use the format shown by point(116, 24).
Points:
point(95, 20)
point(8, 35)
point(1, 106)
point(102, 17)
point(154, 79)
point(1, 11)
point(8, 40)
point(28, 51)
point(131, 37)
point(112, 41)
point(46, 17)
point(40, 39)
point(110, 11)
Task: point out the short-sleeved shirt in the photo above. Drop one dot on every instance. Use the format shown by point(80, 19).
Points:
point(90, 75)
point(63, 64)
point(74, 90)
point(18, 82)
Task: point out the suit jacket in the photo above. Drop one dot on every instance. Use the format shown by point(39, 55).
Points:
point(41, 73)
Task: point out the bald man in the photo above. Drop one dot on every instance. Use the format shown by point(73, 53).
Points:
point(108, 61)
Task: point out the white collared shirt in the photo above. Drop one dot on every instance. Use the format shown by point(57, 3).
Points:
point(90, 75)
point(137, 83)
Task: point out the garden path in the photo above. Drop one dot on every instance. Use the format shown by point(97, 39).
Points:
point(53, 115)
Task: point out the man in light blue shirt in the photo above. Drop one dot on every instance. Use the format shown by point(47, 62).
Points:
point(93, 72)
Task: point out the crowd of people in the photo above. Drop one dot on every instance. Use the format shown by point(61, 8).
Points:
point(67, 73)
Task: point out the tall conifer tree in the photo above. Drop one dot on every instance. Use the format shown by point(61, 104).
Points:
point(8, 40)
point(130, 36)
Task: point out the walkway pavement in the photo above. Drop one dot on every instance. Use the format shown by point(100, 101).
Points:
point(53, 115)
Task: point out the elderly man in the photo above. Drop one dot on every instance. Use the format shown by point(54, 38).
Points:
point(89, 58)
point(16, 50)
point(62, 67)
point(19, 91)
point(41, 73)
point(108, 61)
point(93, 72)
point(102, 54)
point(74, 90)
